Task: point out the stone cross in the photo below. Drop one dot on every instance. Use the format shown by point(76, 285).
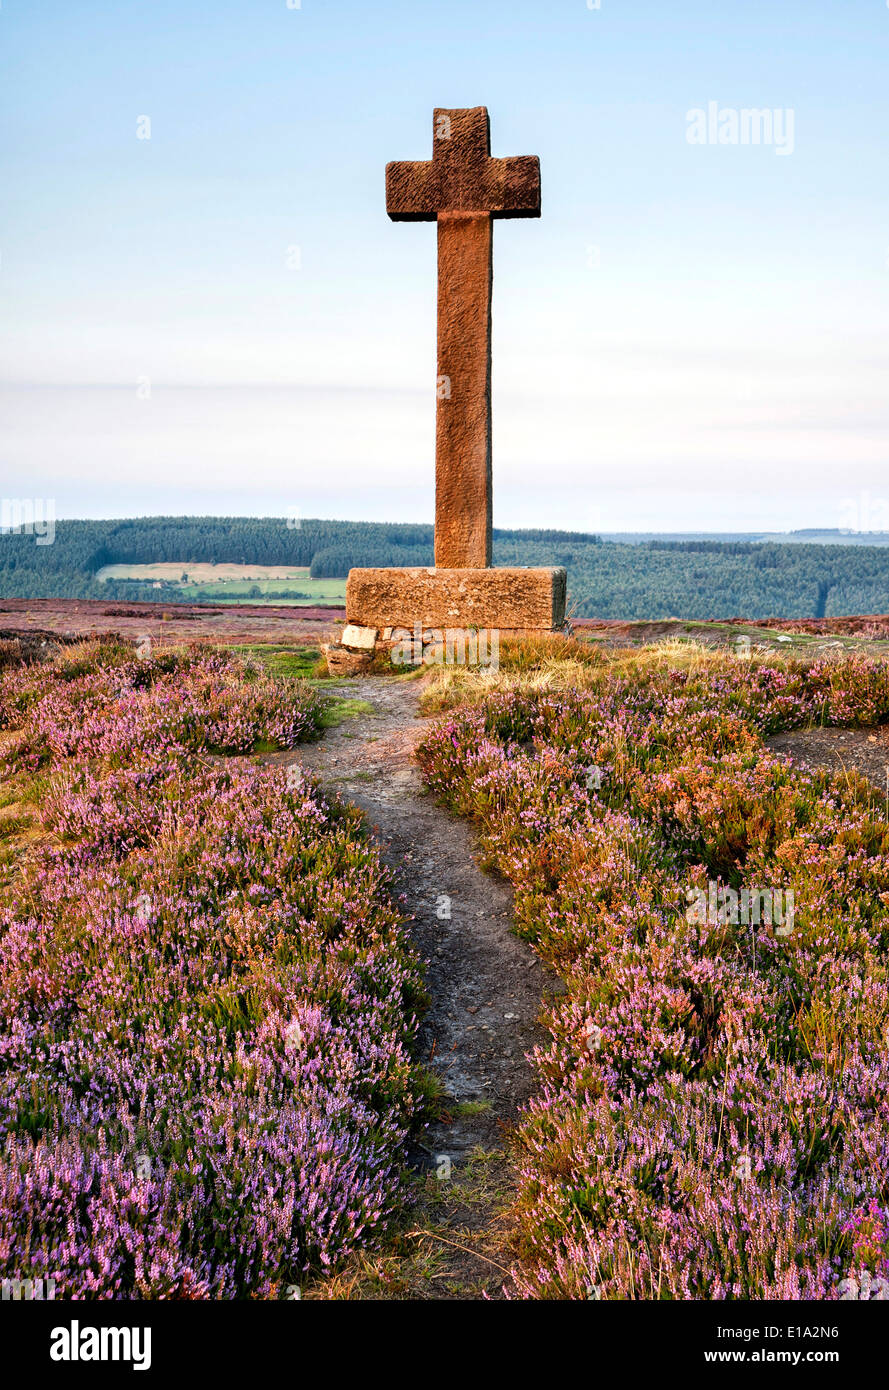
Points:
point(464, 189)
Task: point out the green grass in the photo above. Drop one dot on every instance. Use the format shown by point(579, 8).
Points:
point(338, 711)
point(283, 659)
point(776, 638)
point(772, 640)
point(12, 826)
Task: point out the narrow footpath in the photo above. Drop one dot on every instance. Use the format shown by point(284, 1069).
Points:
point(486, 988)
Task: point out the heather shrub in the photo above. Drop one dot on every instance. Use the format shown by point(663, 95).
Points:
point(165, 704)
point(207, 999)
point(712, 1117)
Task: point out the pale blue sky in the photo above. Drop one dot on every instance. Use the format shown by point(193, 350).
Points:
point(690, 337)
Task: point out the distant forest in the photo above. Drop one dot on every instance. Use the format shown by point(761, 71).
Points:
point(654, 579)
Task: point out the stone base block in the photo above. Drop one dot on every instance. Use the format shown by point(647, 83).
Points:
point(531, 600)
point(342, 661)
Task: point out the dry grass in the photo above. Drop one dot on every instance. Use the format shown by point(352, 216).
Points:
point(560, 663)
point(10, 652)
point(548, 662)
point(79, 658)
point(683, 654)
point(455, 1244)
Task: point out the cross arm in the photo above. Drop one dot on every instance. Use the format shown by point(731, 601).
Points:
point(514, 186)
point(416, 190)
point(412, 193)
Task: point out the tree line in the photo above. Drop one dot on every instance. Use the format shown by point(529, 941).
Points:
point(656, 579)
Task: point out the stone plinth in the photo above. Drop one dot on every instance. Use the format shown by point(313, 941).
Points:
point(531, 600)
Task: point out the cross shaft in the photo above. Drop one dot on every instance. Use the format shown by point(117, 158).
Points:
point(463, 188)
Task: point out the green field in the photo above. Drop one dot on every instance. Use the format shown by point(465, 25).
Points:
point(201, 582)
point(278, 591)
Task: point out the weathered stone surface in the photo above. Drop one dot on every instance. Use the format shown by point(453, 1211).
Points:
point(463, 498)
point(341, 661)
point(462, 176)
point(530, 599)
point(464, 189)
point(405, 653)
point(362, 639)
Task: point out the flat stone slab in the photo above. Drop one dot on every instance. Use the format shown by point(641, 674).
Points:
point(527, 599)
point(361, 639)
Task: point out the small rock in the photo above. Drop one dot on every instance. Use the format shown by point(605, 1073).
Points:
point(362, 639)
point(342, 661)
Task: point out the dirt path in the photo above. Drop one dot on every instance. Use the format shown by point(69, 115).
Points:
point(865, 751)
point(486, 988)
